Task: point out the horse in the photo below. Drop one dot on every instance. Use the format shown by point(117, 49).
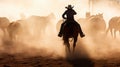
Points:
point(14, 29)
point(39, 24)
point(4, 22)
point(96, 24)
point(114, 26)
point(71, 30)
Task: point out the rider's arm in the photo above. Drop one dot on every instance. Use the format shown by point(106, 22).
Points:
point(63, 16)
point(74, 12)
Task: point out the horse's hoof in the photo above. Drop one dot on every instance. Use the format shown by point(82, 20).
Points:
point(83, 35)
point(59, 35)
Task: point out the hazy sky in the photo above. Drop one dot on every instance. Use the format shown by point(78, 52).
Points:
point(13, 8)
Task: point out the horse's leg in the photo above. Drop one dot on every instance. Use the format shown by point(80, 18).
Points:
point(5, 32)
point(114, 33)
point(111, 32)
point(74, 44)
point(119, 32)
point(68, 45)
point(66, 42)
point(12, 36)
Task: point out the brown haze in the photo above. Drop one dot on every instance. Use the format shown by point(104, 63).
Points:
point(47, 43)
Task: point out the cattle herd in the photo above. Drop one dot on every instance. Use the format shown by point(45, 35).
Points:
point(96, 25)
point(36, 25)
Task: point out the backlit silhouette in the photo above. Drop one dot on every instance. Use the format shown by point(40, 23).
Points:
point(70, 28)
point(14, 29)
point(4, 22)
point(96, 24)
point(114, 26)
point(39, 24)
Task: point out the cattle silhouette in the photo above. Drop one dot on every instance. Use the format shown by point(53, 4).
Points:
point(96, 24)
point(14, 29)
point(114, 26)
point(39, 24)
point(33, 26)
point(93, 25)
point(4, 22)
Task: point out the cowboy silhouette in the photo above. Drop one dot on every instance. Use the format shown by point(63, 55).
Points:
point(68, 15)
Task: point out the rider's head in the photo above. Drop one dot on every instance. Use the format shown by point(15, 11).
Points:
point(69, 7)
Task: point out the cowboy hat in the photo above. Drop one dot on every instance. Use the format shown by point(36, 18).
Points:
point(69, 7)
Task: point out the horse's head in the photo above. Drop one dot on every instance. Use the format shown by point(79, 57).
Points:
point(96, 18)
point(99, 15)
point(4, 22)
point(51, 17)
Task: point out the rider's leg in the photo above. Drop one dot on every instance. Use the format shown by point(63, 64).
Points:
point(61, 29)
point(80, 31)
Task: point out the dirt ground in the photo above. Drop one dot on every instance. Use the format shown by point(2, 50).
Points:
point(10, 58)
point(20, 60)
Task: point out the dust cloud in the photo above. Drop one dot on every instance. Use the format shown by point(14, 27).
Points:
point(109, 8)
point(40, 39)
point(32, 36)
point(38, 35)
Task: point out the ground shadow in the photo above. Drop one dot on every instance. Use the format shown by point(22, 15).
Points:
point(80, 58)
point(81, 62)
